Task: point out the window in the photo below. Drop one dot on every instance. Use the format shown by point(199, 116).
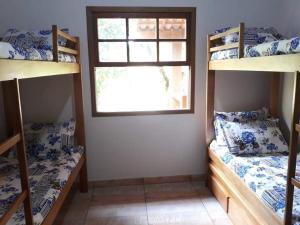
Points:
point(142, 60)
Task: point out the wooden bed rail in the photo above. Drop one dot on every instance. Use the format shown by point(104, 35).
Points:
point(14, 207)
point(73, 50)
point(9, 143)
point(296, 183)
point(216, 44)
point(298, 127)
point(293, 147)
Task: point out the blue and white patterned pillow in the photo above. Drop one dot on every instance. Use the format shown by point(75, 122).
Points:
point(37, 39)
point(254, 137)
point(46, 140)
point(253, 35)
point(294, 45)
point(245, 116)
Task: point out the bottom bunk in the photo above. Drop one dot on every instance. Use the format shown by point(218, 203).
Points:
point(50, 181)
point(251, 189)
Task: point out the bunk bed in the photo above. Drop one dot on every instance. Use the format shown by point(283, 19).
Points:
point(69, 167)
point(238, 199)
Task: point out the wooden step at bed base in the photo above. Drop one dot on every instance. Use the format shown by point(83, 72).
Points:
point(296, 183)
point(13, 208)
point(9, 143)
point(298, 127)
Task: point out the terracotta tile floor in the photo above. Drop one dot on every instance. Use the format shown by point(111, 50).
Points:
point(155, 204)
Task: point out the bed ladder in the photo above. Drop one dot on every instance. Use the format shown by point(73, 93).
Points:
point(293, 147)
point(12, 104)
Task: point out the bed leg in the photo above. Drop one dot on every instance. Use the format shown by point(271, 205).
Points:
point(83, 181)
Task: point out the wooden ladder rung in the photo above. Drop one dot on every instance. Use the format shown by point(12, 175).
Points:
point(298, 127)
point(224, 47)
point(67, 50)
point(9, 143)
point(66, 36)
point(13, 208)
point(296, 183)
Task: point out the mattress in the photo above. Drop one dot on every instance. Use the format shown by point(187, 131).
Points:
point(47, 178)
point(8, 51)
point(265, 175)
point(282, 47)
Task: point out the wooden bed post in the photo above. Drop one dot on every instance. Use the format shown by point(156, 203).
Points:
point(12, 106)
point(55, 42)
point(292, 151)
point(79, 114)
point(241, 40)
point(80, 131)
point(210, 98)
point(274, 98)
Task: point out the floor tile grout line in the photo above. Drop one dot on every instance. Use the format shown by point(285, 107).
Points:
point(205, 208)
point(89, 204)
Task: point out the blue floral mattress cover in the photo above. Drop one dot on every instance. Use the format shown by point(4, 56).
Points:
point(281, 47)
point(264, 174)
point(47, 178)
point(8, 51)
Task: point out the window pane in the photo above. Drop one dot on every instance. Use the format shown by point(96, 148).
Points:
point(121, 89)
point(142, 28)
point(111, 28)
point(172, 28)
point(142, 51)
point(112, 52)
point(172, 51)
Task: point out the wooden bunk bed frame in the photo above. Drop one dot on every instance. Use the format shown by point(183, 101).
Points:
point(240, 202)
point(11, 71)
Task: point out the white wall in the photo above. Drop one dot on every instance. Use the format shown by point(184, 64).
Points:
point(142, 146)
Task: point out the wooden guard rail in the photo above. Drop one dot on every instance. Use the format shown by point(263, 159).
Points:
point(12, 104)
point(56, 48)
point(4, 147)
point(298, 127)
point(14, 207)
point(9, 143)
point(215, 39)
point(296, 183)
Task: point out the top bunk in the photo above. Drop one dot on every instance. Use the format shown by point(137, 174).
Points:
point(29, 54)
point(234, 49)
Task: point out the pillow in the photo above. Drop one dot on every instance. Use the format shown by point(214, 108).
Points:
point(245, 116)
point(265, 38)
point(260, 114)
point(48, 140)
point(293, 45)
point(253, 35)
point(221, 141)
point(38, 39)
point(46, 39)
point(254, 137)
